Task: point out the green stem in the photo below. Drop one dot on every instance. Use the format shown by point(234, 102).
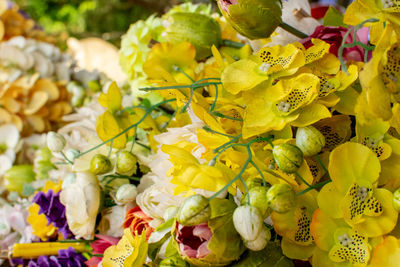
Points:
point(302, 179)
point(317, 157)
point(66, 159)
point(218, 114)
point(184, 73)
point(127, 129)
point(260, 172)
point(316, 186)
point(215, 99)
point(208, 129)
point(230, 43)
point(293, 31)
point(246, 189)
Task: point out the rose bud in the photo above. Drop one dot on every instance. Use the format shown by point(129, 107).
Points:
point(200, 30)
point(254, 19)
point(261, 241)
point(193, 211)
point(55, 142)
point(281, 198)
point(258, 199)
point(288, 157)
point(126, 163)
point(212, 243)
point(126, 193)
point(100, 164)
point(310, 140)
point(248, 221)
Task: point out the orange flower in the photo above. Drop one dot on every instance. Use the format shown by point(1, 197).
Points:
point(137, 221)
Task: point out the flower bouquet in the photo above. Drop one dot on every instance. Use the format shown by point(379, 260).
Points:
point(257, 136)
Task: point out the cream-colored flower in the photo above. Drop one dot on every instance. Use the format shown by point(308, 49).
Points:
point(112, 221)
point(81, 199)
point(9, 138)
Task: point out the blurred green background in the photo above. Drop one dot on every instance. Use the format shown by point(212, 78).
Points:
point(107, 19)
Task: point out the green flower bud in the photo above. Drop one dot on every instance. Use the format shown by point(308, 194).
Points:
point(55, 142)
point(126, 193)
point(254, 19)
point(100, 164)
point(170, 213)
point(17, 176)
point(310, 140)
point(126, 163)
point(288, 157)
point(193, 211)
point(254, 182)
point(261, 241)
point(247, 221)
point(173, 262)
point(396, 200)
point(281, 198)
point(200, 30)
point(258, 199)
point(94, 86)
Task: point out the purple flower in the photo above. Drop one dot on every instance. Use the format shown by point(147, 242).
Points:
point(66, 258)
point(54, 210)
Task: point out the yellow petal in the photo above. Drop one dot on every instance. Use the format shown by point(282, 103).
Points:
point(311, 114)
point(37, 101)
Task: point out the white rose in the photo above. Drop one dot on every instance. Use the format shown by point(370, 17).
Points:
point(82, 200)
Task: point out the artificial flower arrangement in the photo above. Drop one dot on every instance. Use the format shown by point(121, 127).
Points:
point(256, 138)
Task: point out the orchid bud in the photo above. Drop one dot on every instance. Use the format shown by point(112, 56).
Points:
point(193, 211)
point(310, 140)
point(258, 199)
point(254, 19)
point(200, 30)
point(261, 241)
point(170, 213)
point(396, 200)
point(94, 86)
point(281, 198)
point(126, 193)
point(55, 142)
point(17, 176)
point(100, 164)
point(253, 182)
point(126, 163)
point(71, 154)
point(288, 157)
point(247, 221)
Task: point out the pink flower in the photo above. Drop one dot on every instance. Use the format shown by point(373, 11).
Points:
point(334, 37)
point(99, 246)
point(193, 240)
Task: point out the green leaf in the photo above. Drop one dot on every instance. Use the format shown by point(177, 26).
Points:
point(271, 256)
point(334, 17)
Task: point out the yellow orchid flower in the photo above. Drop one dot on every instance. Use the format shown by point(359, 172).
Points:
point(131, 251)
point(285, 102)
point(188, 173)
point(337, 243)
point(362, 10)
point(386, 253)
point(353, 194)
point(379, 78)
point(167, 61)
point(294, 227)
